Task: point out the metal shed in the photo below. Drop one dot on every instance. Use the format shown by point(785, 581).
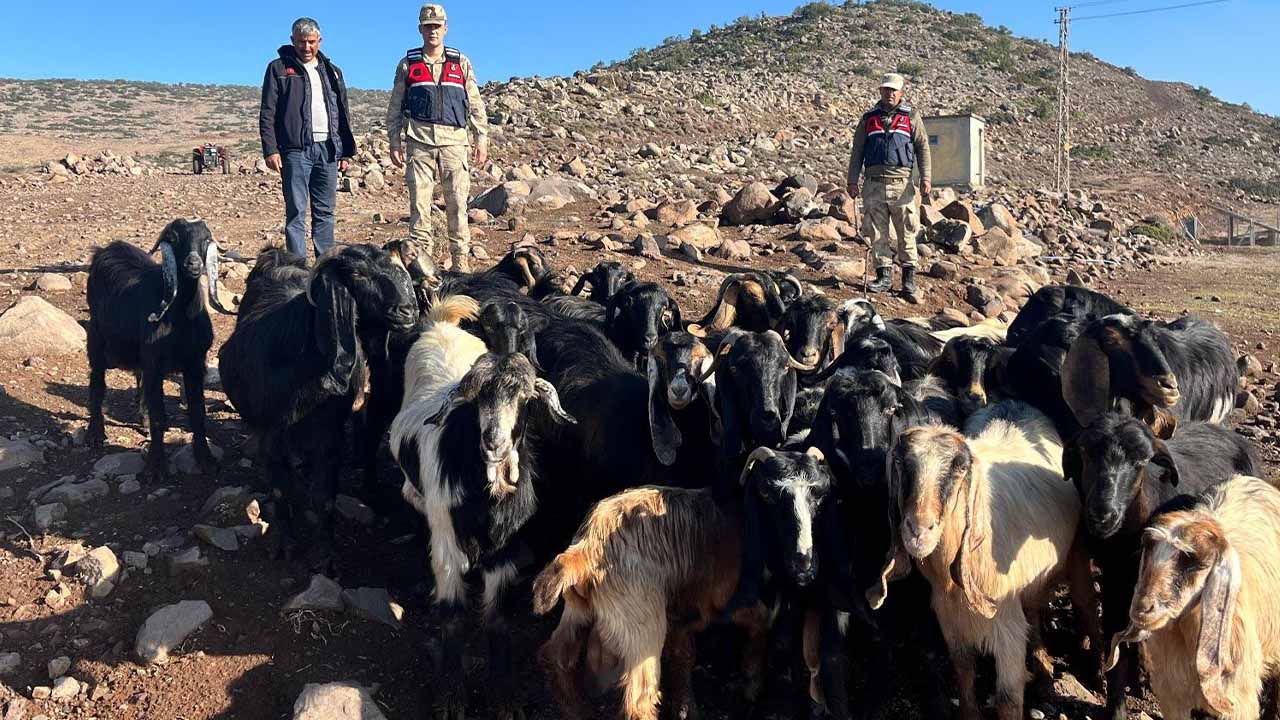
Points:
point(957, 145)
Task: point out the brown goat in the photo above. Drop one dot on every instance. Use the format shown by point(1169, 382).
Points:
point(1205, 606)
point(649, 568)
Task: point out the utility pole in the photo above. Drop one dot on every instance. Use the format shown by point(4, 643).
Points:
point(1062, 162)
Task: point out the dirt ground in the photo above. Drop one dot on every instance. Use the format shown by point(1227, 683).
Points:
point(251, 661)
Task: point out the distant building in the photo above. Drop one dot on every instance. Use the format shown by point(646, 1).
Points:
point(958, 146)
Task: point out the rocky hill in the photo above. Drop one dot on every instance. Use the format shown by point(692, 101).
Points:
point(764, 96)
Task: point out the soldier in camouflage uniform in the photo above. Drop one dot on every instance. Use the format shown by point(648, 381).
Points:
point(437, 107)
point(890, 143)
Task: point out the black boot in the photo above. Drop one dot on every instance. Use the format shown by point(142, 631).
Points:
point(909, 289)
point(883, 281)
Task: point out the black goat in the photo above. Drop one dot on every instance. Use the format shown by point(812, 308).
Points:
point(972, 370)
point(153, 319)
point(914, 345)
point(751, 301)
point(296, 365)
point(681, 398)
point(1123, 473)
point(1185, 366)
point(755, 397)
point(1051, 300)
point(637, 315)
point(605, 279)
point(463, 440)
point(1033, 373)
point(506, 327)
point(861, 416)
point(524, 265)
point(813, 332)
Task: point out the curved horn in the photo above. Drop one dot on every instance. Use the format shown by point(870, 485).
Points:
point(726, 344)
point(760, 453)
point(547, 393)
point(211, 271)
point(169, 271)
point(714, 318)
point(786, 278)
point(523, 263)
point(583, 279)
point(792, 363)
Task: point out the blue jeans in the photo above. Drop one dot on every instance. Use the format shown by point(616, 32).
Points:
point(310, 178)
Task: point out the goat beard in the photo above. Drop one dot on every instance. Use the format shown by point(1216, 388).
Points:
point(1131, 634)
point(504, 475)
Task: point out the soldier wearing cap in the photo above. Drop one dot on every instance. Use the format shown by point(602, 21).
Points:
point(436, 105)
point(890, 143)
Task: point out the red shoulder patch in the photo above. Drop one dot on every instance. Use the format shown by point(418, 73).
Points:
point(290, 71)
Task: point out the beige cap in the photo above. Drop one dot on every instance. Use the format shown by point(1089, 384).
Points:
point(431, 14)
point(893, 80)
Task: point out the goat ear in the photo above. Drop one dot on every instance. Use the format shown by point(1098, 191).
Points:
point(662, 427)
point(1162, 457)
point(835, 344)
point(788, 400)
point(1072, 463)
point(1086, 379)
point(897, 563)
point(1217, 648)
point(676, 322)
point(583, 279)
point(335, 329)
point(975, 539)
point(730, 425)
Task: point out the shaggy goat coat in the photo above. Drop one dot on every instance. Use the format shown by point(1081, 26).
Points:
point(1248, 512)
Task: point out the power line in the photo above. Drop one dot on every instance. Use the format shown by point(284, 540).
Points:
point(1091, 3)
point(1150, 10)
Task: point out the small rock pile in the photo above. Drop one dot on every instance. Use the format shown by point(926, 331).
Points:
point(104, 163)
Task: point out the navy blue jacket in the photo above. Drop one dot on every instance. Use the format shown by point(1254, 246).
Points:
point(284, 117)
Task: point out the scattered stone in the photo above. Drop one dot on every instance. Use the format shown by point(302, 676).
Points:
point(184, 458)
point(100, 571)
point(129, 486)
point(221, 538)
point(944, 270)
point(373, 604)
point(19, 453)
point(53, 282)
point(647, 246)
point(187, 560)
point(336, 701)
point(33, 326)
point(951, 235)
point(1005, 249)
point(996, 215)
point(1069, 687)
point(59, 667)
point(650, 150)
point(78, 493)
point(1249, 365)
point(733, 250)
point(123, 463)
point(374, 180)
point(962, 210)
point(41, 692)
point(134, 559)
point(500, 199)
point(850, 272)
point(986, 300)
point(702, 237)
point(9, 662)
point(65, 688)
point(753, 204)
point(1075, 278)
point(321, 594)
point(677, 213)
point(354, 510)
point(168, 627)
point(16, 709)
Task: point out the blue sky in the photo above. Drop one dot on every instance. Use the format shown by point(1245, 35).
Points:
point(1228, 48)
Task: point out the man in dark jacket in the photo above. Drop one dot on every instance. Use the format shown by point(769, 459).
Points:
point(306, 134)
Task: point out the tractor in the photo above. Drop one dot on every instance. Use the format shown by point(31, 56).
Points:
point(207, 157)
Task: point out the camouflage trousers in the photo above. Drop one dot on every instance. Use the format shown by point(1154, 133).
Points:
point(889, 208)
point(449, 166)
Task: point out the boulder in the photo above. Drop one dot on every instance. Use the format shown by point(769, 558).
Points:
point(818, 233)
point(575, 168)
point(733, 250)
point(100, 570)
point(951, 235)
point(500, 199)
point(77, 493)
point(168, 627)
point(321, 594)
point(996, 215)
point(554, 192)
point(1005, 249)
point(221, 538)
point(116, 464)
point(807, 182)
point(753, 204)
point(702, 237)
point(47, 515)
point(373, 604)
point(850, 272)
point(33, 326)
point(374, 180)
point(9, 661)
point(650, 150)
point(962, 210)
point(796, 206)
point(184, 458)
point(336, 701)
point(53, 282)
point(1249, 366)
point(985, 300)
point(843, 207)
point(944, 270)
point(19, 453)
point(676, 212)
point(646, 246)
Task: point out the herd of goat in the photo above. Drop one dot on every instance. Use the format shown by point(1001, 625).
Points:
point(784, 463)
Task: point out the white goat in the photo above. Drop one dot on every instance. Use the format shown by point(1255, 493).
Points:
point(991, 524)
